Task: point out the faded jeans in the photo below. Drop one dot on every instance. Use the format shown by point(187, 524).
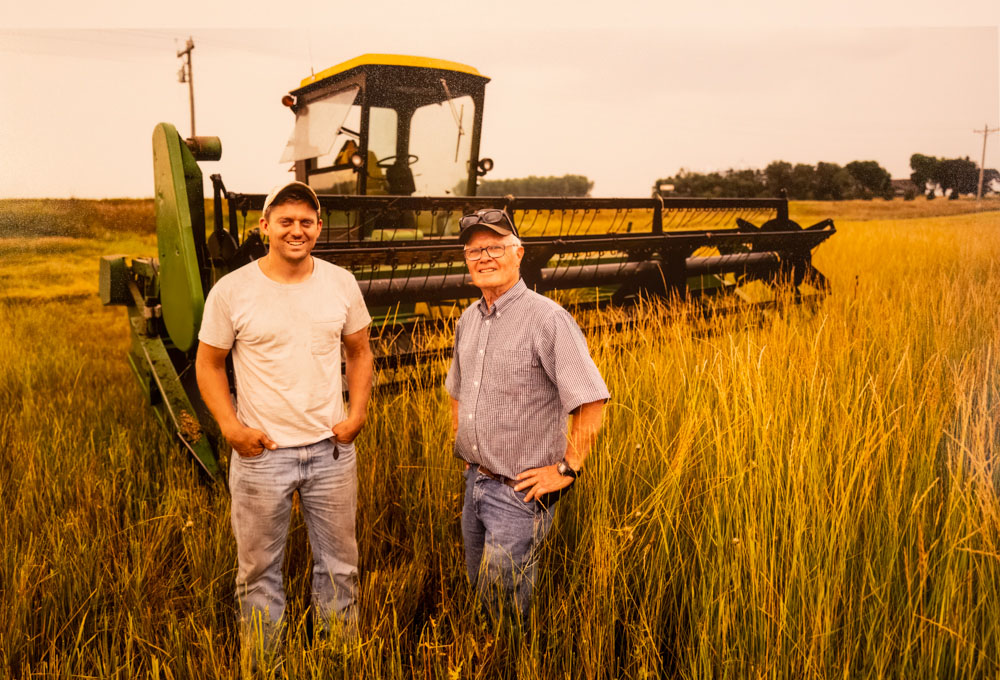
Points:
point(502, 536)
point(262, 488)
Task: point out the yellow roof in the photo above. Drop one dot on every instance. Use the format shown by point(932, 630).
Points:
point(390, 60)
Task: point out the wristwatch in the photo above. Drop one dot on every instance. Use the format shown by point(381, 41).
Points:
point(563, 468)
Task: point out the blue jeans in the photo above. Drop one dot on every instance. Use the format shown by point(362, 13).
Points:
point(502, 536)
point(262, 488)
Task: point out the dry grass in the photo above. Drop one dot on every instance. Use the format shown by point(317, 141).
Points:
point(44, 268)
point(809, 212)
point(806, 492)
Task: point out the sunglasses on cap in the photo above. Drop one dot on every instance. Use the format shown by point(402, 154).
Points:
point(488, 216)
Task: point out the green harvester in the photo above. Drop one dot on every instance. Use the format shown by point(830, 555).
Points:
point(391, 144)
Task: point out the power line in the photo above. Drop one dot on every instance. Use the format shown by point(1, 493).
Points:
point(188, 76)
point(985, 132)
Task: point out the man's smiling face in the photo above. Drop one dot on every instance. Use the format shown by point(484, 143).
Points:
point(495, 273)
point(292, 229)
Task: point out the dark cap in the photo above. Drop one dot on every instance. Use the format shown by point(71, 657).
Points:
point(494, 219)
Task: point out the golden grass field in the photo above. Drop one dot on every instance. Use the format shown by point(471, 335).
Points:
point(804, 492)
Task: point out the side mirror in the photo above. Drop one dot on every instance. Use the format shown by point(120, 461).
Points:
point(485, 165)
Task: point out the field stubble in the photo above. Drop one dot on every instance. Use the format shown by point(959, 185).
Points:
point(801, 492)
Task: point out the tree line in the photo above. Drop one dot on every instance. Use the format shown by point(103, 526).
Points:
point(830, 181)
point(566, 185)
point(821, 182)
point(950, 176)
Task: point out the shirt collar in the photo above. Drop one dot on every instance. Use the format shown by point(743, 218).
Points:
point(505, 300)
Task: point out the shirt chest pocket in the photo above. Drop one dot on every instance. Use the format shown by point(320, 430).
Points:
point(326, 336)
point(514, 360)
point(512, 371)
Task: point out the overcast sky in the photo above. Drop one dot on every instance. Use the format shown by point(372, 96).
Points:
point(623, 92)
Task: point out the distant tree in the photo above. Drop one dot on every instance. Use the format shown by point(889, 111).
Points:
point(799, 180)
point(959, 175)
point(952, 176)
point(684, 183)
point(687, 183)
point(745, 183)
point(925, 169)
point(777, 176)
point(872, 179)
point(566, 185)
point(802, 184)
point(731, 184)
point(824, 181)
point(833, 183)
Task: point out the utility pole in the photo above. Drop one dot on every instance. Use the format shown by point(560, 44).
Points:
point(186, 75)
point(985, 132)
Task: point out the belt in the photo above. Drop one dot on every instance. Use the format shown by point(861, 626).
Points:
point(546, 500)
point(497, 478)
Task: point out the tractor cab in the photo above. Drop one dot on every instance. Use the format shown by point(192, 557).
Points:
point(383, 124)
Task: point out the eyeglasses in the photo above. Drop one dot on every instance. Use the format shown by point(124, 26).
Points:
point(494, 251)
point(488, 216)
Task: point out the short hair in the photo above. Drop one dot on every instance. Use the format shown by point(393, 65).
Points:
point(513, 240)
point(293, 194)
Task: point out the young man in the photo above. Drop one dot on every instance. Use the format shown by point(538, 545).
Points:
point(520, 369)
point(285, 317)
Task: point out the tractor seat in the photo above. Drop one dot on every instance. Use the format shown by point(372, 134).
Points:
point(399, 177)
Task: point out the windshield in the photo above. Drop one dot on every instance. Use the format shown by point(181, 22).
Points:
point(441, 139)
point(317, 125)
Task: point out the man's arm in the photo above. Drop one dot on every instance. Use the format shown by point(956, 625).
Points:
point(210, 370)
point(360, 371)
point(583, 432)
point(583, 429)
point(454, 423)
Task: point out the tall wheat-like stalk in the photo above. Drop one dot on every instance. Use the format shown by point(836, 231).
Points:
point(799, 491)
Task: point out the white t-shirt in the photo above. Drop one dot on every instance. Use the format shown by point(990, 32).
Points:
point(285, 341)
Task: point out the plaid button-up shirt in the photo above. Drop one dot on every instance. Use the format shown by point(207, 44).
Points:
point(518, 370)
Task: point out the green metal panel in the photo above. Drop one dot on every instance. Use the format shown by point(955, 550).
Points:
point(179, 204)
point(165, 392)
point(113, 281)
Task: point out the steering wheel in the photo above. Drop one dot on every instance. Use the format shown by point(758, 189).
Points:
point(391, 160)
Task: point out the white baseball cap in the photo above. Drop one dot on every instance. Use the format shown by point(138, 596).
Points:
point(281, 189)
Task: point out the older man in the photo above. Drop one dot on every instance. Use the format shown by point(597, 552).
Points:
point(527, 402)
point(285, 317)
